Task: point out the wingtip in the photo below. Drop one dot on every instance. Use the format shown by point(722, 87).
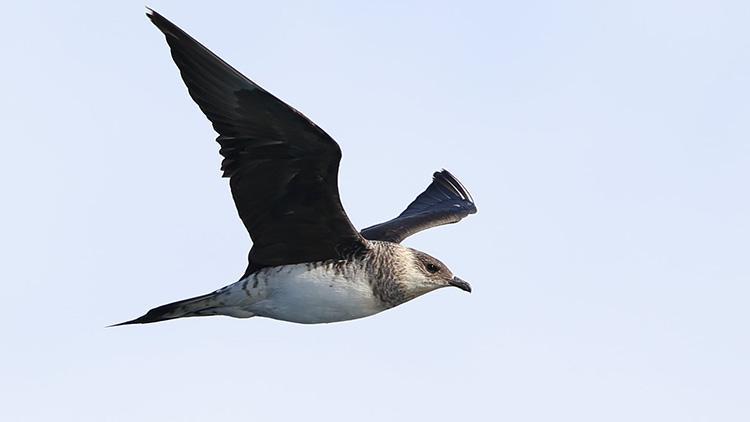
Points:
point(155, 17)
point(444, 174)
point(447, 177)
point(169, 29)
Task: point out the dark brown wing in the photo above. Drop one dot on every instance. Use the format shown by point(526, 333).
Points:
point(445, 201)
point(283, 169)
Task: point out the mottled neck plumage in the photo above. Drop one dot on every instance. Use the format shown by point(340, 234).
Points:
point(386, 263)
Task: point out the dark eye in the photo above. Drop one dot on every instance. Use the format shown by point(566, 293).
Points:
point(432, 268)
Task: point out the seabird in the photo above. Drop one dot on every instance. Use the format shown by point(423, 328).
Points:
point(308, 264)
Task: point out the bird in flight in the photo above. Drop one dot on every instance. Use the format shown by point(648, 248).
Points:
point(308, 264)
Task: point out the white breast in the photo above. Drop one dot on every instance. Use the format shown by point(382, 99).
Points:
point(311, 294)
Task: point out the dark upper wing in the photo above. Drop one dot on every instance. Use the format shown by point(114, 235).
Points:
point(283, 168)
point(445, 201)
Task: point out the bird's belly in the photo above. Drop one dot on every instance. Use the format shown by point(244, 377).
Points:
point(316, 295)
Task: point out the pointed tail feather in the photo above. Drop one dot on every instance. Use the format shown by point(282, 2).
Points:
point(196, 306)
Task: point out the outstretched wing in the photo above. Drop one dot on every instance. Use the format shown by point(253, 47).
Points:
point(283, 168)
point(445, 201)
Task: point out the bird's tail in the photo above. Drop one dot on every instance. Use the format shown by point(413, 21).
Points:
point(196, 306)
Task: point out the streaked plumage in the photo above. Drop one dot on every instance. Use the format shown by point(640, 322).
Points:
point(308, 264)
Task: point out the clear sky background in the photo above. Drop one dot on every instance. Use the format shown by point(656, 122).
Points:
point(607, 145)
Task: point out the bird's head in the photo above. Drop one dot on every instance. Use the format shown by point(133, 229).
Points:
point(425, 274)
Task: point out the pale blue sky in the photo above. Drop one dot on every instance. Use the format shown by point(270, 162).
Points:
point(607, 145)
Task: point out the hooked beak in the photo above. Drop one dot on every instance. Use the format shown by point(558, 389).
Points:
point(457, 282)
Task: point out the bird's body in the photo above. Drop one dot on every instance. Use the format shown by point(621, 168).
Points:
point(318, 292)
point(310, 293)
point(308, 264)
point(314, 292)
